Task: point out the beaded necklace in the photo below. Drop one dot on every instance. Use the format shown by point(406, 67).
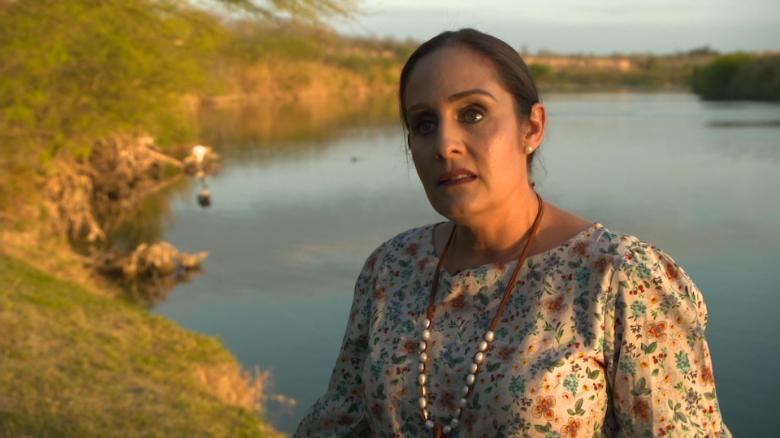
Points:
point(479, 357)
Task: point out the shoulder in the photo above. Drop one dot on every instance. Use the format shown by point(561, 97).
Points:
point(647, 275)
point(642, 260)
point(630, 254)
point(407, 244)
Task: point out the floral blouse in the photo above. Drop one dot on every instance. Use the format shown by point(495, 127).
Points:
point(603, 336)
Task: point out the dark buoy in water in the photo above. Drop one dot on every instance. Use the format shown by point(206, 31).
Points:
point(204, 198)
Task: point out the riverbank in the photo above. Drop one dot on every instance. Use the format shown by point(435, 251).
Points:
point(79, 364)
point(72, 344)
point(75, 342)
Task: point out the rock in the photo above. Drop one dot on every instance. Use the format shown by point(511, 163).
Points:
point(150, 269)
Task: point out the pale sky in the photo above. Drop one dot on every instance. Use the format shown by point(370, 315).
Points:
point(603, 27)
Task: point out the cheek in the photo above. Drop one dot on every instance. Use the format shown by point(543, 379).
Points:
point(421, 164)
point(498, 156)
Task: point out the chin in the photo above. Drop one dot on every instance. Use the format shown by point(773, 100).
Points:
point(455, 211)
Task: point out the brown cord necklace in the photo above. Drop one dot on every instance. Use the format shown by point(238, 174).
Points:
point(479, 357)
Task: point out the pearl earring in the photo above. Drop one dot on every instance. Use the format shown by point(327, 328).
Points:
point(529, 149)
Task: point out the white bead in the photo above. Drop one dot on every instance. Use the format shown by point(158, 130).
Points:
point(423, 345)
point(462, 402)
point(425, 414)
point(454, 422)
point(421, 367)
point(423, 356)
point(429, 424)
point(423, 403)
point(426, 334)
point(421, 379)
point(446, 429)
point(473, 368)
point(427, 323)
point(465, 390)
point(483, 346)
point(470, 379)
point(489, 336)
point(457, 414)
point(479, 357)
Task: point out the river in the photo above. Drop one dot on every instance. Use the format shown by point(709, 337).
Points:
point(305, 195)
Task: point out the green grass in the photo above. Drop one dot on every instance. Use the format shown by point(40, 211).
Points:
point(75, 364)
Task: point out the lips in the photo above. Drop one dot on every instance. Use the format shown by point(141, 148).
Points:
point(457, 176)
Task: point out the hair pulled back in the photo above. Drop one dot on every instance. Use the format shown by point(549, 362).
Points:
point(512, 72)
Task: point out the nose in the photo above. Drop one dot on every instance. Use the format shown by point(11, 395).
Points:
point(448, 139)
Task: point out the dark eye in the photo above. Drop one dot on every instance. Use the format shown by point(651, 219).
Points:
point(471, 115)
point(424, 127)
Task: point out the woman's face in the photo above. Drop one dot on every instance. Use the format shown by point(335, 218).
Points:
point(466, 141)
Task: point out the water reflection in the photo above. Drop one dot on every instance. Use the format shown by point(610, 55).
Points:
point(147, 221)
point(744, 123)
point(258, 130)
point(294, 218)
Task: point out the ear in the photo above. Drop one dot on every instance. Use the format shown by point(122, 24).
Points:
point(535, 124)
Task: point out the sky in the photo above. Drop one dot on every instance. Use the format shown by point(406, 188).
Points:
point(583, 26)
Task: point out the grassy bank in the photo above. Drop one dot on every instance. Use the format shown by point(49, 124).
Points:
point(76, 364)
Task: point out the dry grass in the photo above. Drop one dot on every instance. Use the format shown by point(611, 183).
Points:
point(76, 364)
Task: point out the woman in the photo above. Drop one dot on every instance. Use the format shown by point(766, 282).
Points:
point(515, 317)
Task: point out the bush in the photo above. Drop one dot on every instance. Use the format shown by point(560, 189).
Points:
point(78, 70)
point(757, 80)
point(739, 76)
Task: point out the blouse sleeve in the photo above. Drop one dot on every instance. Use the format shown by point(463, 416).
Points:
point(340, 412)
point(657, 359)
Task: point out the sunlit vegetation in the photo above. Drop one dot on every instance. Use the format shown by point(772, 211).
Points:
point(77, 359)
point(78, 364)
point(637, 72)
point(295, 59)
point(78, 70)
point(74, 72)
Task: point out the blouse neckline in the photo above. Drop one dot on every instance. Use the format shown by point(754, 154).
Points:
point(487, 266)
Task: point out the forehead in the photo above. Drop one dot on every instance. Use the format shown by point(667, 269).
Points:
point(447, 71)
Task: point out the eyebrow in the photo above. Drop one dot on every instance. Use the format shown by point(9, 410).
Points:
point(456, 96)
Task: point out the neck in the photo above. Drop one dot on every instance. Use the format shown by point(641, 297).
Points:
point(497, 234)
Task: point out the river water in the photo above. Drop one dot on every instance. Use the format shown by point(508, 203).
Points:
point(305, 195)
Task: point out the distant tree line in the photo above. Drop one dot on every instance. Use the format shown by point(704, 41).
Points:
point(739, 76)
point(633, 71)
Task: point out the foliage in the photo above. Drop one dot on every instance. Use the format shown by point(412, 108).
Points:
point(712, 80)
point(78, 70)
point(312, 10)
point(540, 72)
point(77, 364)
point(739, 76)
point(634, 71)
point(249, 42)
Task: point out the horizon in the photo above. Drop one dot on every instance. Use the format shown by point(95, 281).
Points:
point(608, 27)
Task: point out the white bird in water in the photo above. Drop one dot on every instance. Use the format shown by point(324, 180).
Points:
point(199, 151)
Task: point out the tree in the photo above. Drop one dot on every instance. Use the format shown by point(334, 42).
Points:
point(74, 71)
point(713, 80)
point(313, 10)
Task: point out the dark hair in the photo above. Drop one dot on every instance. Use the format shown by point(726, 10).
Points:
point(511, 70)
